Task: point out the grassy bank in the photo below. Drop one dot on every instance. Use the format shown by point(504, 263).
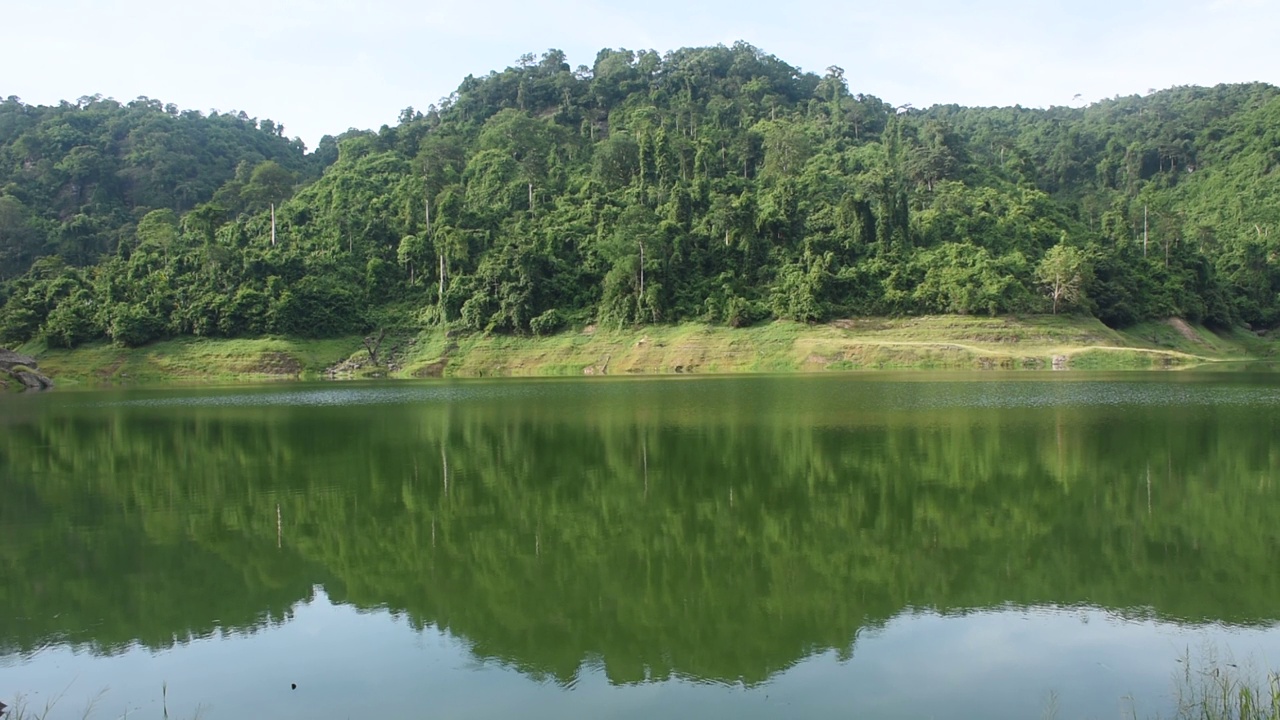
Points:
point(940, 342)
point(193, 360)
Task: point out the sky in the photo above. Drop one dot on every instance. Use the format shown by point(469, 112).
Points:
point(323, 66)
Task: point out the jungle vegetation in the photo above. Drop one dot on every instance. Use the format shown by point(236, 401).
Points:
point(716, 184)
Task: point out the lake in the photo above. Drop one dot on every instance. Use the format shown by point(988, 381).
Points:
point(879, 545)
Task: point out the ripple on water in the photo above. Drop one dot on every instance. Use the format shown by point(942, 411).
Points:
point(898, 394)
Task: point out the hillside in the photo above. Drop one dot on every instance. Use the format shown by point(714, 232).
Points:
point(75, 179)
point(713, 185)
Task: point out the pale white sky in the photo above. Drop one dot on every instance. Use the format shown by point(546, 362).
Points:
point(322, 66)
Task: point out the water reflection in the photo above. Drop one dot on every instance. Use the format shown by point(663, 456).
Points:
point(727, 531)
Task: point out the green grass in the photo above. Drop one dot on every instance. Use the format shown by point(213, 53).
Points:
point(937, 342)
point(1128, 359)
point(194, 360)
point(1209, 689)
point(1223, 692)
point(1189, 339)
point(22, 710)
point(9, 383)
point(927, 343)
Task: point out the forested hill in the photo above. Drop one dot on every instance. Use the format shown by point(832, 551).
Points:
point(76, 178)
point(717, 184)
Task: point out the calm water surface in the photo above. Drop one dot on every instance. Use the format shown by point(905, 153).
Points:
point(836, 546)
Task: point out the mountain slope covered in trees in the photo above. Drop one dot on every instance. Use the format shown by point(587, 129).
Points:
point(76, 178)
point(717, 184)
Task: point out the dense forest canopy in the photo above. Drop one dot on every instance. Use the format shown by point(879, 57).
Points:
point(717, 184)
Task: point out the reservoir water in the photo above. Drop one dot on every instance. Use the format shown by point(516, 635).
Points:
point(898, 546)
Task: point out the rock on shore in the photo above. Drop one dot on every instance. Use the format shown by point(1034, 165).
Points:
point(24, 370)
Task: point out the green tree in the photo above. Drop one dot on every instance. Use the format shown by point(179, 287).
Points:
point(715, 183)
point(270, 184)
point(1063, 273)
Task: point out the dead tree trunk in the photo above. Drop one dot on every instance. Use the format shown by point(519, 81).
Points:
point(640, 297)
point(373, 344)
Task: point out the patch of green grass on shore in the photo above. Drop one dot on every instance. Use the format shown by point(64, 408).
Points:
point(1212, 688)
point(927, 343)
point(23, 710)
point(194, 360)
point(1178, 336)
point(685, 348)
point(1224, 693)
point(1042, 331)
point(934, 342)
point(1128, 359)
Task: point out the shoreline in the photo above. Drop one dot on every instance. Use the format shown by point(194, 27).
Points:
point(910, 343)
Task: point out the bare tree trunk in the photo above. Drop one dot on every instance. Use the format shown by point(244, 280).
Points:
point(372, 344)
point(1144, 231)
point(640, 299)
point(273, 224)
